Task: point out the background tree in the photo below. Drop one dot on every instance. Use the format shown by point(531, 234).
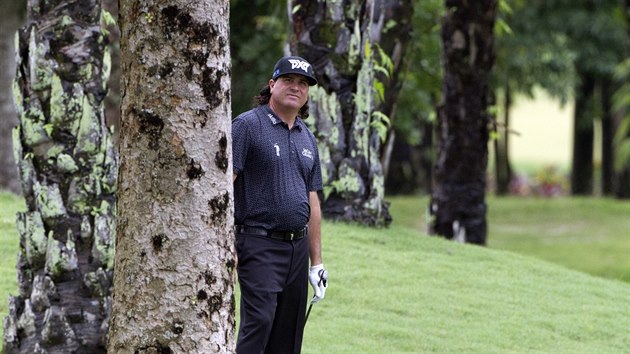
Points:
point(68, 171)
point(112, 100)
point(412, 157)
point(11, 18)
point(594, 31)
point(457, 206)
point(258, 32)
point(394, 42)
point(530, 56)
point(343, 41)
point(174, 278)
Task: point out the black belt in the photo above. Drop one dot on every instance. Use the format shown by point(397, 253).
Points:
point(278, 235)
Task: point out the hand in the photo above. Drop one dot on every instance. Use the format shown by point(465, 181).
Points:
point(318, 277)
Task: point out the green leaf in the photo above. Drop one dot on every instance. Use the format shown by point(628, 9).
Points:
point(107, 19)
point(381, 117)
point(381, 69)
point(379, 88)
point(48, 128)
point(501, 27)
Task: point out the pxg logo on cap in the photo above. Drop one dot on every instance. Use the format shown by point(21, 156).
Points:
point(294, 65)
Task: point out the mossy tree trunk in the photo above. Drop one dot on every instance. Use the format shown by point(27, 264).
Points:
point(68, 171)
point(343, 41)
point(174, 269)
point(457, 206)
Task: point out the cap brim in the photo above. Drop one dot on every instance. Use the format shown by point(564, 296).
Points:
point(311, 80)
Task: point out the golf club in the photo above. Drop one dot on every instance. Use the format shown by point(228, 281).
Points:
point(323, 278)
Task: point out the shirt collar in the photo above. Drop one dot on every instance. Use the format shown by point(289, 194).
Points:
point(274, 119)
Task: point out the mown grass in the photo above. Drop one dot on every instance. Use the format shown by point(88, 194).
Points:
point(396, 290)
point(10, 204)
point(588, 234)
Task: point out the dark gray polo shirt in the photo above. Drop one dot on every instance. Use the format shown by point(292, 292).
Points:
point(276, 168)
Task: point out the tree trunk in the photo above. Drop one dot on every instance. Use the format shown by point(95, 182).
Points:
point(582, 165)
point(503, 170)
point(67, 167)
point(394, 42)
point(174, 278)
point(112, 100)
point(608, 134)
point(11, 18)
point(342, 40)
point(458, 207)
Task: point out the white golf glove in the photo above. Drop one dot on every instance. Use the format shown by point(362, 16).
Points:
point(318, 277)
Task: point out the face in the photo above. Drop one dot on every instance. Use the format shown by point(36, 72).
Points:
point(289, 91)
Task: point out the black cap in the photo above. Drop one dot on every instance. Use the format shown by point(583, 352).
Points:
point(294, 65)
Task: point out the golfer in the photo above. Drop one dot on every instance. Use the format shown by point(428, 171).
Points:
point(277, 177)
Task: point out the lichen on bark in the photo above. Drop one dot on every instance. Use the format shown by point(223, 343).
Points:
point(67, 166)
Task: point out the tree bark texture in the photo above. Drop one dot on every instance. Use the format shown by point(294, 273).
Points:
point(67, 167)
point(174, 269)
point(11, 18)
point(342, 40)
point(582, 160)
point(457, 206)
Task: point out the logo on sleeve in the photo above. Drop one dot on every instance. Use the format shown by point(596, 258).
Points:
point(299, 64)
point(308, 153)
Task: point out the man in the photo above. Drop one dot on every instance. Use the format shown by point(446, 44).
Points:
point(277, 176)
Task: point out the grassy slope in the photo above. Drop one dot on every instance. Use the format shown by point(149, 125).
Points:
point(587, 234)
point(393, 290)
point(396, 291)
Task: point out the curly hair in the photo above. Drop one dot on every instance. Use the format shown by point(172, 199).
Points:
point(265, 94)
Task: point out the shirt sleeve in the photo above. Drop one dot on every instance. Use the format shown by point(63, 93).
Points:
point(240, 144)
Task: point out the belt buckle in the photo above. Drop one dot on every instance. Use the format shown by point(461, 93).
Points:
point(291, 235)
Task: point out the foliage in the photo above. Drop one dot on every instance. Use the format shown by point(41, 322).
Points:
point(423, 77)
point(258, 31)
point(622, 104)
point(382, 64)
point(529, 55)
point(550, 182)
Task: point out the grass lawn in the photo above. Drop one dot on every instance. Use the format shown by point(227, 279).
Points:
point(9, 241)
point(587, 234)
point(395, 290)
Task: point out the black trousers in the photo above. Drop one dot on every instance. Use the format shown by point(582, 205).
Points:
point(273, 278)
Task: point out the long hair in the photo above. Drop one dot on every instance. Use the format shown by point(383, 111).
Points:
point(265, 94)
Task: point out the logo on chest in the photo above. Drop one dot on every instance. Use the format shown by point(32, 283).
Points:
point(308, 153)
point(277, 147)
